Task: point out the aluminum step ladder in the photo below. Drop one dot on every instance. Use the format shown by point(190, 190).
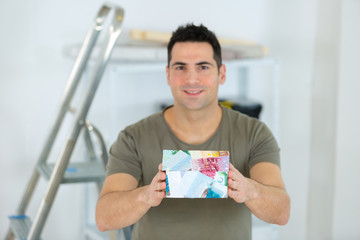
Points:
point(21, 227)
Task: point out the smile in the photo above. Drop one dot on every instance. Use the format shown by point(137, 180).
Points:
point(193, 91)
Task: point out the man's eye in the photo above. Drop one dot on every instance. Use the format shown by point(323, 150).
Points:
point(180, 68)
point(204, 67)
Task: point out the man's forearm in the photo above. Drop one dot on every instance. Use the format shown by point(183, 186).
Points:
point(269, 203)
point(121, 204)
point(264, 193)
point(116, 210)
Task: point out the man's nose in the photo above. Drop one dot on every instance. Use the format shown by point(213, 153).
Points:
point(192, 76)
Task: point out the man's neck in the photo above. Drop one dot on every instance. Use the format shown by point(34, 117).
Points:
point(193, 127)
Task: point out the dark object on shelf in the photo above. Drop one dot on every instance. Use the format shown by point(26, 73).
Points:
point(251, 109)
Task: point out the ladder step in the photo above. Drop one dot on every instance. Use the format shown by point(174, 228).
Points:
point(77, 172)
point(20, 225)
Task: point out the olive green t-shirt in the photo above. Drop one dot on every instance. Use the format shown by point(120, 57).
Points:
point(138, 151)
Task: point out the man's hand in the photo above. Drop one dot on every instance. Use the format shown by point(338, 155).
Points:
point(263, 193)
point(155, 192)
point(240, 188)
point(122, 203)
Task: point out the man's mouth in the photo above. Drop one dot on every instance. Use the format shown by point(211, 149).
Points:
point(193, 91)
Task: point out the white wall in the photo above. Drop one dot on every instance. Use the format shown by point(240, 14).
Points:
point(291, 38)
point(33, 71)
point(324, 119)
point(347, 178)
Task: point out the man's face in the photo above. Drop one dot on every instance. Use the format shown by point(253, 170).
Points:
point(193, 75)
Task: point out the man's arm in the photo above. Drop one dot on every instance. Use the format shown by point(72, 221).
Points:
point(121, 203)
point(263, 193)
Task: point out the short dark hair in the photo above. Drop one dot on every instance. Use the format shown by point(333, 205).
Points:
point(193, 33)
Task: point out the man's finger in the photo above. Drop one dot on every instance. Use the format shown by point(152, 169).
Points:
point(160, 167)
point(161, 186)
point(232, 175)
point(232, 184)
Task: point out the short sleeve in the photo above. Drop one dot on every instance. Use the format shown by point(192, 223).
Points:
point(123, 157)
point(263, 146)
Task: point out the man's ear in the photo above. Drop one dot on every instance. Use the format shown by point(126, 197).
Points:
point(222, 74)
point(167, 75)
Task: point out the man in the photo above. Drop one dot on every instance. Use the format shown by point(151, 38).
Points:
point(134, 189)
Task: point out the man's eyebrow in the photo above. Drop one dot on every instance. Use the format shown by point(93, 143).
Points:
point(197, 64)
point(204, 63)
point(178, 63)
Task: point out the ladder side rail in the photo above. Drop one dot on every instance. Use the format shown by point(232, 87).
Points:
point(70, 88)
point(90, 149)
point(95, 130)
point(74, 78)
point(63, 160)
point(90, 128)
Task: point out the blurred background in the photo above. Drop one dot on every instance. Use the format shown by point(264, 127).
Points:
point(308, 85)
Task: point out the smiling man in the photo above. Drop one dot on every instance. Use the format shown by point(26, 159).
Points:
point(134, 189)
point(194, 77)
